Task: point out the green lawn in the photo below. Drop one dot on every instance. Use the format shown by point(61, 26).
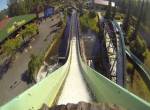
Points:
point(9, 27)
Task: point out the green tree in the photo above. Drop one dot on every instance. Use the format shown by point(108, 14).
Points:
point(114, 12)
point(34, 65)
point(11, 45)
point(138, 47)
point(126, 22)
point(135, 32)
point(29, 31)
point(108, 11)
point(3, 13)
point(16, 7)
point(19, 7)
point(92, 14)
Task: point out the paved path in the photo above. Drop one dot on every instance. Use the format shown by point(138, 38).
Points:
point(12, 83)
point(75, 89)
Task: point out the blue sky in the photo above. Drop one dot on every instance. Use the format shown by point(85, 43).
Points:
point(3, 4)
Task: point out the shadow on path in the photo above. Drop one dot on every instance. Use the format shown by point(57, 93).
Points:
point(26, 78)
point(4, 68)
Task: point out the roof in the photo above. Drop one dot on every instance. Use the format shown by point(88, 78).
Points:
point(104, 2)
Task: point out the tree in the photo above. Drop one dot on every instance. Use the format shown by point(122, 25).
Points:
point(108, 11)
point(28, 32)
point(130, 71)
point(114, 12)
point(138, 47)
point(16, 7)
point(135, 32)
point(122, 5)
point(3, 14)
point(19, 7)
point(11, 45)
point(126, 22)
point(92, 14)
point(33, 66)
point(145, 14)
point(13, 8)
point(31, 29)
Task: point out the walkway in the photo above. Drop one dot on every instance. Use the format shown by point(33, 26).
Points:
point(12, 82)
point(75, 89)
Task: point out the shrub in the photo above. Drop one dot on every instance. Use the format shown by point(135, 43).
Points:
point(34, 65)
point(87, 22)
point(130, 68)
point(11, 45)
point(92, 14)
point(31, 29)
point(138, 47)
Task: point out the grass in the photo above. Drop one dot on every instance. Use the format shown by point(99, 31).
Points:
point(8, 28)
point(147, 60)
point(137, 85)
point(87, 22)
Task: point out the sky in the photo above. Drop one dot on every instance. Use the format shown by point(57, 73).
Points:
point(3, 4)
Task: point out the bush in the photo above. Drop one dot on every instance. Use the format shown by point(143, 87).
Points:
point(11, 45)
point(4, 32)
point(139, 47)
point(87, 22)
point(130, 68)
point(31, 29)
point(34, 65)
point(118, 17)
point(92, 14)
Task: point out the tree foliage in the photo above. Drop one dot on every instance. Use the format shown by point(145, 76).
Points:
point(87, 22)
point(92, 14)
point(135, 9)
point(11, 45)
point(108, 11)
point(19, 7)
point(130, 68)
point(137, 25)
point(126, 22)
point(3, 13)
point(34, 65)
point(138, 47)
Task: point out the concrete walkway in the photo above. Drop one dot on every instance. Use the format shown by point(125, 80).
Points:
point(75, 89)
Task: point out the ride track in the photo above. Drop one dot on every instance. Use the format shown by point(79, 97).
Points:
point(145, 70)
point(48, 90)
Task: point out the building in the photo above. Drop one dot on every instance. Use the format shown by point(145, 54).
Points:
point(102, 4)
